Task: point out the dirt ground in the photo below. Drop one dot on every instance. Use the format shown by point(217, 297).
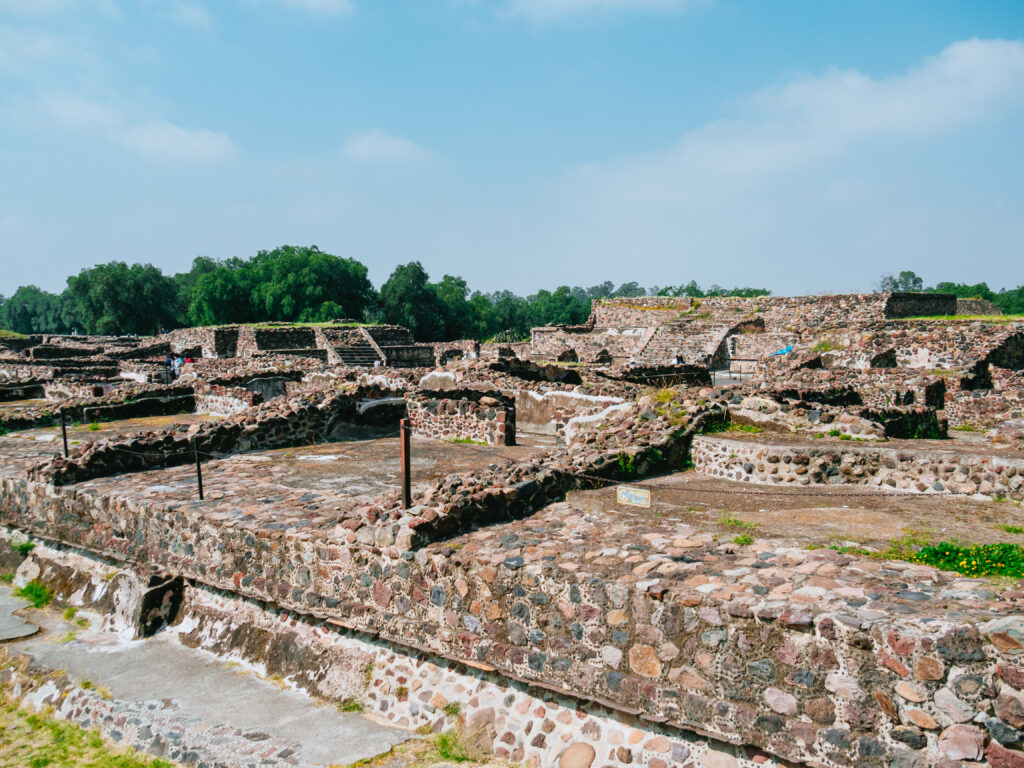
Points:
point(815, 515)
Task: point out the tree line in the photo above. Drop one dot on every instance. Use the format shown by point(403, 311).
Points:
point(304, 285)
point(1009, 301)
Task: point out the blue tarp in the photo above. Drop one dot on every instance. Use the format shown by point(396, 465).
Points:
point(785, 351)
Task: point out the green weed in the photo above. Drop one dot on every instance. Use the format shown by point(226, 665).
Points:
point(627, 464)
point(743, 539)
point(1011, 528)
point(748, 428)
point(38, 740)
point(36, 593)
point(733, 523)
point(975, 560)
point(23, 548)
point(450, 747)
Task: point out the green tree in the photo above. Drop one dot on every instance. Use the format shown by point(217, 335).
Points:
point(116, 298)
point(905, 282)
point(630, 290)
point(408, 298)
point(288, 284)
point(218, 293)
point(558, 308)
point(291, 283)
point(33, 310)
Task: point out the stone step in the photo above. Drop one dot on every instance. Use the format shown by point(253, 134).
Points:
point(360, 356)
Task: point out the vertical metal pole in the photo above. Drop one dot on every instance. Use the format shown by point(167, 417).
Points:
point(199, 469)
point(404, 430)
point(64, 431)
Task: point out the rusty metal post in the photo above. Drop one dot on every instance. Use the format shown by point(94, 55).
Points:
point(199, 469)
point(404, 429)
point(64, 431)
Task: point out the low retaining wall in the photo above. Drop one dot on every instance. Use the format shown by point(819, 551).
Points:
point(225, 401)
point(274, 425)
point(119, 405)
point(21, 391)
point(550, 412)
point(917, 471)
point(463, 415)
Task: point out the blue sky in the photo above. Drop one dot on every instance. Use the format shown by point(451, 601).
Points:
point(801, 146)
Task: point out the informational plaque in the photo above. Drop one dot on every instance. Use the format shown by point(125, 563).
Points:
point(634, 497)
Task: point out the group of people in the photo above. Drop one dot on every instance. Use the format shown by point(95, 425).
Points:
point(174, 365)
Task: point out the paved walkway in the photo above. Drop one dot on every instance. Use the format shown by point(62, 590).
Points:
point(171, 701)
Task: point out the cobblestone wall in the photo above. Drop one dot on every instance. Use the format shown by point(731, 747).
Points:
point(463, 415)
point(550, 412)
point(913, 471)
point(218, 400)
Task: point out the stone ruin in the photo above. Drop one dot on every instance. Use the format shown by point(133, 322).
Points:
point(570, 628)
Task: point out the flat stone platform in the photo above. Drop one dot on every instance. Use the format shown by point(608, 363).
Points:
point(812, 516)
point(810, 654)
point(312, 487)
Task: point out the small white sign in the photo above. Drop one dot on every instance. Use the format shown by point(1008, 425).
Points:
point(633, 497)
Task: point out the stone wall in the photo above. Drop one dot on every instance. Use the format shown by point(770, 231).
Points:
point(655, 329)
point(65, 389)
point(412, 356)
point(976, 307)
point(463, 415)
point(875, 387)
point(679, 648)
point(127, 402)
point(304, 421)
point(496, 350)
point(744, 347)
point(217, 400)
point(921, 305)
point(464, 349)
point(902, 469)
point(600, 346)
point(212, 341)
point(23, 390)
point(18, 371)
point(550, 412)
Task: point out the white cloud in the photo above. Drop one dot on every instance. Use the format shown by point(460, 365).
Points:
point(380, 147)
point(78, 112)
point(21, 48)
point(189, 14)
point(156, 139)
point(763, 181)
point(785, 127)
point(162, 140)
point(548, 10)
point(323, 6)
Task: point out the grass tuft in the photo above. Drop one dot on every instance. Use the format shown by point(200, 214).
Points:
point(23, 548)
point(38, 740)
point(733, 523)
point(36, 593)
